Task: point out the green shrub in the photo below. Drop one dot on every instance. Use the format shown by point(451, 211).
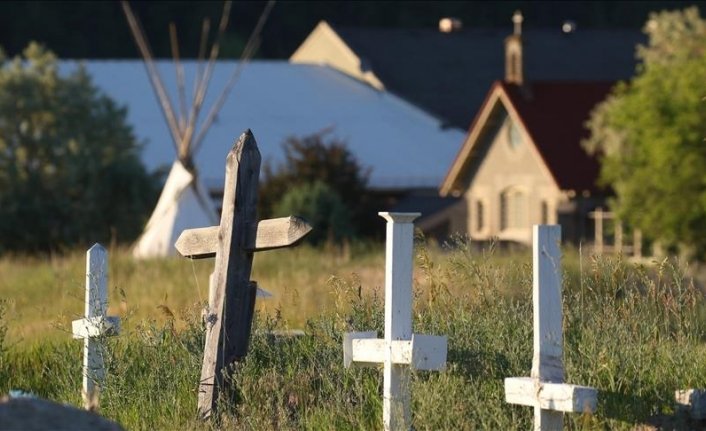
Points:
point(321, 207)
point(69, 167)
point(309, 159)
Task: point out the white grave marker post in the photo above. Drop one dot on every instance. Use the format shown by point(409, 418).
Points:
point(545, 390)
point(95, 325)
point(400, 349)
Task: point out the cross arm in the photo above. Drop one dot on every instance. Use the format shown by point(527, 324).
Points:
point(348, 339)
point(561, 397)
point(422, 352)
point(90, 327)
point(269, 234)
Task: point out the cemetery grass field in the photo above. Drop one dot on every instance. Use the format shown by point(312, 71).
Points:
point(636, 333)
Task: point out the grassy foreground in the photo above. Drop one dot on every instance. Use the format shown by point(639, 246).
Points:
point(634, 333)
point(43, 295)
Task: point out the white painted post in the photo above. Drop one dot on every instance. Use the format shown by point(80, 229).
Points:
point(545, 390)
point(398, 316)
point(547, 362)
point(95, 325)
point(400, 349)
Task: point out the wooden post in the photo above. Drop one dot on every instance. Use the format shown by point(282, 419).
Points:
point(618, 236)
point(95, 325)
point(233, 297)
point(637, 243)
point(599, 230)
point(231, 292)
point(545, 390)
point(400, 349)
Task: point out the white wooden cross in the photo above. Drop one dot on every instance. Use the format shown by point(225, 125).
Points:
point(400, 349)
point(545, 390)
point(95, 325)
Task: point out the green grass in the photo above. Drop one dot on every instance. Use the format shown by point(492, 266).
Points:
point(636, 333)
point(45, 294)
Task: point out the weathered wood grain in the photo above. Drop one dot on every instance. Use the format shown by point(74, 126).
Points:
point(233, 296)
point(231, 292)
point(269, 234)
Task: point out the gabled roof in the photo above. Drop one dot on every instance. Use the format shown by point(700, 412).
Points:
point(404, 146)
point(553, 114)
point(448, 74)
point(555, 118)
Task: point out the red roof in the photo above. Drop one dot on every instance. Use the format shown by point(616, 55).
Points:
point(554, 114)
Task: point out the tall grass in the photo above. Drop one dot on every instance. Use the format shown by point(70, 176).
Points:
point(43, 295)
point(633, 332)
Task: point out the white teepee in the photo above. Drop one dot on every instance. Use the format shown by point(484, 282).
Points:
point(184, 202)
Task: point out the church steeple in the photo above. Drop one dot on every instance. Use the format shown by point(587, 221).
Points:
point(514, 67)
point(517, 20)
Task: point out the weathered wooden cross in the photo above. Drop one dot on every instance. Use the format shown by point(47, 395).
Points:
point(95, 325)
point(545, 390)
point(400, 349)
point(231, 292)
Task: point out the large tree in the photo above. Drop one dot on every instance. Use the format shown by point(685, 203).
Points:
point(69, 166)
point(649, 135)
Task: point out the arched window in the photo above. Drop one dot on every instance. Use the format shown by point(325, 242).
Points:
point(480, 216)
point(513, 209)
point(514, 138)
point(544, 212)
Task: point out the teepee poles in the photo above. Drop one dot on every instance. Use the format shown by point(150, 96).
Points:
point(174, 42)
point(155, 78)
point(250, 47)
point(205, 28)
point(186, 138)
point(185, 146)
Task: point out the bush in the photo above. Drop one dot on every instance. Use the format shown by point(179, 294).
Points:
point(309, 159)
point(69, 166)
point(321, 207)
point(649, 135)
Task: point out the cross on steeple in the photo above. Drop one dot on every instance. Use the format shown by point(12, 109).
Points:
point(517, 20)
point(514, 67)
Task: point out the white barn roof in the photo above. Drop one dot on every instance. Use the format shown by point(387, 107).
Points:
point(404, 146)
